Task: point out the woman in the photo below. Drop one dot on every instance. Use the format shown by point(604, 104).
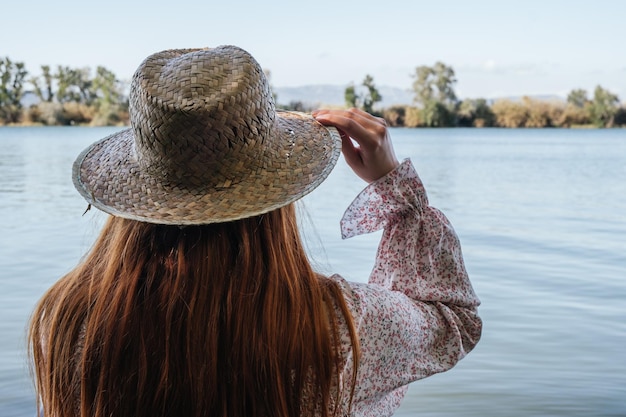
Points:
point(197, 298)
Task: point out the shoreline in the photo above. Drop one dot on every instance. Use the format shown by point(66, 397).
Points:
point(575, 127)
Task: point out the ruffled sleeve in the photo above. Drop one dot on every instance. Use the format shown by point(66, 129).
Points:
point(399, 191)
point(419, 253)
point(418, 314)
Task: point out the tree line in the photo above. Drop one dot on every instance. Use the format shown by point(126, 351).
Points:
point(65, 96)
point(435, 104)
point(76, 96)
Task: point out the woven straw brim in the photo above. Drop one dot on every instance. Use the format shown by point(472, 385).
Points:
point(108, 176)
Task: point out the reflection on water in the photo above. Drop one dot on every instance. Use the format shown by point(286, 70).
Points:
point(11, 167)
point(541, 215)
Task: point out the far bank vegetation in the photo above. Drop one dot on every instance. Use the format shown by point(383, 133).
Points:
point(78, 96)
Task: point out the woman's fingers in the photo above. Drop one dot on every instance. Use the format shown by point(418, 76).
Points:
point(351, 153)
point(357, 124)
point(372, 156)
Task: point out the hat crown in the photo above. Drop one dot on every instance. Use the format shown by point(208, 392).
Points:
point(200, 116)
point(206, 144)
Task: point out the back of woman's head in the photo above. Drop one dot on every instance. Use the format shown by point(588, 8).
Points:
point(226, 319)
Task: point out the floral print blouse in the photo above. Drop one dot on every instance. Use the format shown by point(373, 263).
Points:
point(417, 316)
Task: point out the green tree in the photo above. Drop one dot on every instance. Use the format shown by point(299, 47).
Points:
point(108, 97)
point(364, 100)
point(84, 84)
point(105, 88)
point(74, 85)
point(578, 98)
point(436, 114)
point(44, 93)
point(475, 112)
point(603, 108)
point(350, 96)
point(620, 117)
point(12, 75)
point(483, 115)
point(65, 81)
point(434, 94)
point(423, 85)
point(434, 83)
point(445, 80)
point(372, 96)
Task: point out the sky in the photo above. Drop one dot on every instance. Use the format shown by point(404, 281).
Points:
point(497, 48)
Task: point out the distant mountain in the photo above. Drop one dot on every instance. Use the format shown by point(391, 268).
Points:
point(333, 95)
point(540, 97)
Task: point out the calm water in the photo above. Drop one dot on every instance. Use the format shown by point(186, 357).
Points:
point(541, 215)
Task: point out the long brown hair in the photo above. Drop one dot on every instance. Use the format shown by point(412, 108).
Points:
point(226, 319)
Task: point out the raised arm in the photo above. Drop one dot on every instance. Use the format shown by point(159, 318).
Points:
point(418, 314)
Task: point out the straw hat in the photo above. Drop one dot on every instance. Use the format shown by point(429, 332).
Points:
point(206, 144)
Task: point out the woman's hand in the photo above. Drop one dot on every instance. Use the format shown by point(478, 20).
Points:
point(372, 156)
